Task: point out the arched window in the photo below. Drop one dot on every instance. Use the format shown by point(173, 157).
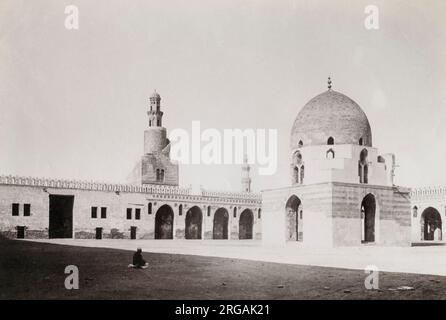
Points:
point(302, 171)
point(330, 141)
point(297, 158)
point(235, 212)
point(160, 175)
point(209, 211)
point(296, 175)
point(415, 211)
point(300, 143)
point(259, 213)
point(361, 141)
point(180, 210)
point(330, 154)
point(150, 208)
point(366, 174)
point(150, 123)
point(297, 168)
point(363, 167)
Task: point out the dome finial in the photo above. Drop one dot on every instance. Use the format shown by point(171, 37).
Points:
point(329, 83)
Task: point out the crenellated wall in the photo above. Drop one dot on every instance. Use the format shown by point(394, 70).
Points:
point(116, 199)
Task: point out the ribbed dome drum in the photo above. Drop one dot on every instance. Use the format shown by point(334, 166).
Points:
point(331, 114)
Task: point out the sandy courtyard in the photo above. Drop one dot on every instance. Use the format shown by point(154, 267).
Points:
point(419, 259)
point(35, 270)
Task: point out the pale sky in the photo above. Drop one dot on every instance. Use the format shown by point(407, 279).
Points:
point(73, 103)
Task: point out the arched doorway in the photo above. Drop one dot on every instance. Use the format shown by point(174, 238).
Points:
point(164, 223)
point(221, 219)
point(246, 223)
point(368, 213)
point(293, 209)
point(194, 219)
point(431, 224)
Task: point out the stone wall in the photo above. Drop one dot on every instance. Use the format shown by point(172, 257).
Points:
point(151, 162)
point(316, 218)
point(392, 216)
point(115, 225)
point(332, 214)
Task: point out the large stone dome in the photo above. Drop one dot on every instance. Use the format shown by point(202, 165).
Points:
point(331, 114)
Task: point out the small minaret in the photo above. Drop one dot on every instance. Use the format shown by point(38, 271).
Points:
point(246, 179)
point(155, 114)
point(155, 137)
point(156, 166)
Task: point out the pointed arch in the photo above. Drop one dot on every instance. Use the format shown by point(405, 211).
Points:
point(330, 141)
point(220, 225)
point(415, 211)
point(164, 222)
point(368, 215)
point(330, 154)
point(431, 225)
point(293, 208)
point(297, 168)
point(295, 175)
point(194, 221)
point(363, 167)
point(246, 224)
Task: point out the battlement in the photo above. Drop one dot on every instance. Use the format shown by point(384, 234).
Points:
point(231, 195)
point(428, 192)
point(91, 185)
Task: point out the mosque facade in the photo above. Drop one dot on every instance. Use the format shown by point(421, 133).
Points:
point(341, 192)
point(152, 206)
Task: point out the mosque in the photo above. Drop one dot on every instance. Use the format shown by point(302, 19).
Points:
point(341, 192)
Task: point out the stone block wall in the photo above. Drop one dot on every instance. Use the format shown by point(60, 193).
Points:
point(332, 214)
point(392, 216)
point(116, 225)
point(151, 162)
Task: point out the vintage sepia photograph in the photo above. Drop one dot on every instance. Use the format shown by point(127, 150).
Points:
point(241, 150)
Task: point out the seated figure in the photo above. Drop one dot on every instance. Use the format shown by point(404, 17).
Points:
point(138, 260)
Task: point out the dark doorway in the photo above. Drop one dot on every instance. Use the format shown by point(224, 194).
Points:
point(431, 224)
point(98, 233)
point(293, 227)
point(221, 219)
point(246, 224)
point(164, 223)
point(132, 233)
point(20, 232)
point(368, 212)
point(61, 216)
point(194, 218)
